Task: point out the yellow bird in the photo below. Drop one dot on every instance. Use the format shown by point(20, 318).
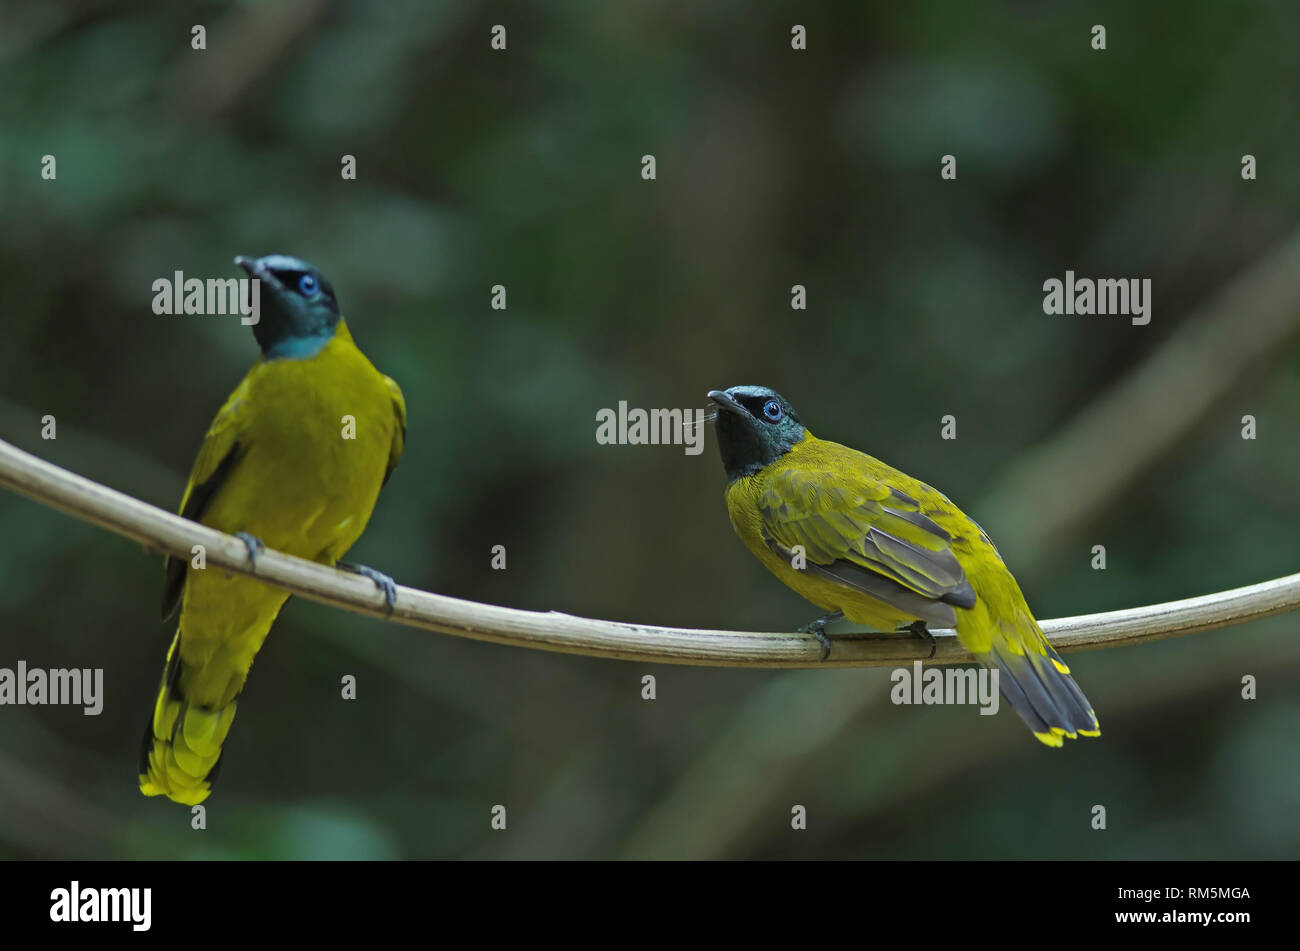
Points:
point(886, 551)
point(294, 460)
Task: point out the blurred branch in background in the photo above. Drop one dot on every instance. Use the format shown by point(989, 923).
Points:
point(1058, 486)
point(214, 83)
point(120, 513)
point(40, 813)
point(716, 805)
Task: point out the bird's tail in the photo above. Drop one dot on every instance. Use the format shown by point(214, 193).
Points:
point(1037, 683)
point(181, 752)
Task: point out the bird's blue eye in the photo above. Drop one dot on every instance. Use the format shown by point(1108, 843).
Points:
point(307, 285)
point(772, 410)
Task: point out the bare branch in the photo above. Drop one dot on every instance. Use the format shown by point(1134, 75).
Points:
point(553, 631)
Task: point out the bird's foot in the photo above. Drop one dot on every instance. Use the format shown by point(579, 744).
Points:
point(817, 629)
point(254, 545)
point(384, 582)
point(920, 630)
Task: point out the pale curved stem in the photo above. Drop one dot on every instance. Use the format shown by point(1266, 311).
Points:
point(553, 631)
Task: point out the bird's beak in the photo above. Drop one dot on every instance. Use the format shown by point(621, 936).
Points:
point(726, 402)
point(255, 268)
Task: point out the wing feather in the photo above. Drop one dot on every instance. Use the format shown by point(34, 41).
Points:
point(223, 446)
point(861, 532)
point(399, 432)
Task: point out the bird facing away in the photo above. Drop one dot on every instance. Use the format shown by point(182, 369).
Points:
point(279, 467)
point(886, 551)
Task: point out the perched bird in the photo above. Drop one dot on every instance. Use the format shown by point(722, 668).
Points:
point(280, 466)
point(886, 551)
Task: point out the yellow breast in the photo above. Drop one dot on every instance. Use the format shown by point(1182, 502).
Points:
point(318, 435)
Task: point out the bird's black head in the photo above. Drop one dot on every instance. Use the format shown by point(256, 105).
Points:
point(298, 309)
point(756, 427)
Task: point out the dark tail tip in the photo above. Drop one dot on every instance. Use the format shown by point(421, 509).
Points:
point(1039, 687)
point(146, 746)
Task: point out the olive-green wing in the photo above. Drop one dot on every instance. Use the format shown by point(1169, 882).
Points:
point(223, 447)
point(861, 532)
point(399, 433)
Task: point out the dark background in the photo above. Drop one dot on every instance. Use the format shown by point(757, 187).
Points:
point(775, 167)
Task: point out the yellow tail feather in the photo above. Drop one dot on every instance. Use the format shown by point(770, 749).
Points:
point(182, 742)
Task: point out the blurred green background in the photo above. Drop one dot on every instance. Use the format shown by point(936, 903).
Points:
point(478, 167)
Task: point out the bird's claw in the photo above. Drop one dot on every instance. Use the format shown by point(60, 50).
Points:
point(384, 582)
point(254, 545)
point(920, 630)
point(817, 629)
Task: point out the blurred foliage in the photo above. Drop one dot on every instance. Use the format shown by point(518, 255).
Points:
point(523, 168)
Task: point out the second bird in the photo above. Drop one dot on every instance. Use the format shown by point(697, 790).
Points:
point(293, 461)
point(887, 551)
